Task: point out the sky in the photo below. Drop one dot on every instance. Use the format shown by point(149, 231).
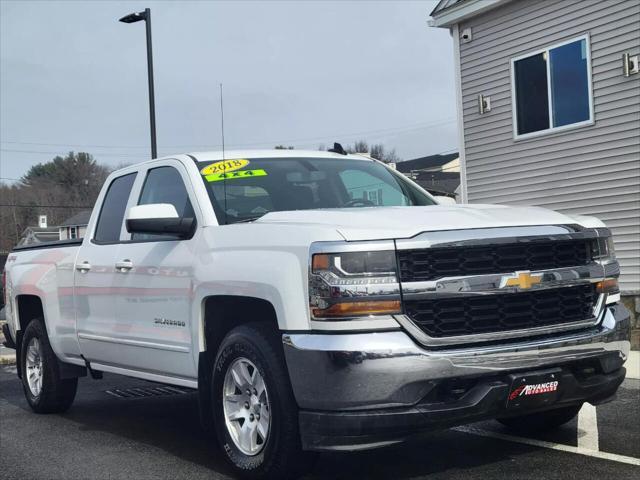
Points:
point(298, 73)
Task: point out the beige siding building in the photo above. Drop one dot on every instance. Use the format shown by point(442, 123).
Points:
point(74, 227)
point(549, 109)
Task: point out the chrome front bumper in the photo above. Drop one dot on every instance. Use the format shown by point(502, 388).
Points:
point(360, 371)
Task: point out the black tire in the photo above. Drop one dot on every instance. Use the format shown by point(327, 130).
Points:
point(56, 395)
point(541, 421)
point(281, 455)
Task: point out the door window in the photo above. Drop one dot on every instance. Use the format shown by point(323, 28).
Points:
point(113, 208)
point(165, 185)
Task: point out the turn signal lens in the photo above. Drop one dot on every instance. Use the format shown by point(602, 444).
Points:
point(359, 309)
point(608, 285)
point(320, 262)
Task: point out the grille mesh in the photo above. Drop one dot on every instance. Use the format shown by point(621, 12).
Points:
point(434, 263)
point(475, 314)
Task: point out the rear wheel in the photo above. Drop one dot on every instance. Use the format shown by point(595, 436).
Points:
point(43, 388)
point(256, 416)
point(542, 421)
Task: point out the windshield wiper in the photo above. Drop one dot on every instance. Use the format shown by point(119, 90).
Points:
point(247, 220)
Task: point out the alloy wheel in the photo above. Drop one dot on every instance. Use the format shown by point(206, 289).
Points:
point(33, 365)
point(246, 406)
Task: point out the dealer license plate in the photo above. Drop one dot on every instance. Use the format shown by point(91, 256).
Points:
point(535, 389)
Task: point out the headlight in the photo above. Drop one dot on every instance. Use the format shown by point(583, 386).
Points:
point(346, 285)
point(603, 251)
point(610, 248)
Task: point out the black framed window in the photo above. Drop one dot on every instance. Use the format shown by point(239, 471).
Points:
point(552, 88)
point(113, 209)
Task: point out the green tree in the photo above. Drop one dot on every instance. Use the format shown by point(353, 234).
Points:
point(58, 189)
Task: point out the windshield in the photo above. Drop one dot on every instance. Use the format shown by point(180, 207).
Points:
point(245, 189)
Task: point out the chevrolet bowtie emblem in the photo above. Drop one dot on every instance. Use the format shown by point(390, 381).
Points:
point(523, 280)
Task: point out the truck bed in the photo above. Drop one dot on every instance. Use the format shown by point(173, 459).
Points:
point(54, 244)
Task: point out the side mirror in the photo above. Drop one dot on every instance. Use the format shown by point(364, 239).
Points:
point(158, 218)
point(442, 200)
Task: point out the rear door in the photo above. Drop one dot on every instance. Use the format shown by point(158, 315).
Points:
point(153, 307)
point(95, 282)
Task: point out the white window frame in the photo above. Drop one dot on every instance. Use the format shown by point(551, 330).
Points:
point(551, 129)
point(73, 232)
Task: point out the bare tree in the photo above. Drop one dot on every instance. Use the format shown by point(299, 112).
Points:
point(376, 150)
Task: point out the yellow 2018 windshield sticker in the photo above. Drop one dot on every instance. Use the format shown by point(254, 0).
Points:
point(224, 166)
point(216, 177)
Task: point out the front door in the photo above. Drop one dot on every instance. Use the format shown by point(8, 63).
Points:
point(155, 276)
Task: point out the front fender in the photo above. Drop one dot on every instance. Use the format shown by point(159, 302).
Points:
point(274, 276)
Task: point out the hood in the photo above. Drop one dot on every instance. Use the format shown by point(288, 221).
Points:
point(379, 223)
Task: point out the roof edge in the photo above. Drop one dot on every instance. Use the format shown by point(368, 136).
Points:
point(462, 11)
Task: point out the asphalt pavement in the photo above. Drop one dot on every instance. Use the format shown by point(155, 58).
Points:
point(121, 428)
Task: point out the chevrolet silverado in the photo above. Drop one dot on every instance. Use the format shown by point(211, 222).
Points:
point(320, 301)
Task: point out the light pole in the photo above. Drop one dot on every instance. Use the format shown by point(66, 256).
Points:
point(133, 18)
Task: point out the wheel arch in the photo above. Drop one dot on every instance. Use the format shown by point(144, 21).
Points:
point(221, 314)
point(28, 308)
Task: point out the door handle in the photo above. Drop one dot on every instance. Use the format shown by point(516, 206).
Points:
point(83, 267)
point(124, 266)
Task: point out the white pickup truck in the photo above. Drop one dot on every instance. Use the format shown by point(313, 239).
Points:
point(320, 301)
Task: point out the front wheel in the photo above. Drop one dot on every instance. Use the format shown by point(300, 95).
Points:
point(43, 388)
point(542, 421)
point(256, 416)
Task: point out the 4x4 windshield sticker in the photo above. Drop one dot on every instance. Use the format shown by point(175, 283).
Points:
point(224, 166)
point(216, 177)
point(229, 169)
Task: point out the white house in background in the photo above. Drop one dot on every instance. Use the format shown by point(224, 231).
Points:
point(74, 227)
point(548, 97)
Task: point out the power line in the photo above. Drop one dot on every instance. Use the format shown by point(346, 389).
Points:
point(354, 134)
point(43, 206)
point(35, 181)
point(402, 129)
point(59, 153)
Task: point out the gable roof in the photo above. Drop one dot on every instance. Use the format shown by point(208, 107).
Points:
point(450, 12)
point(429, 161)
point(439, 182)
point(443, 5)
point(81, 218)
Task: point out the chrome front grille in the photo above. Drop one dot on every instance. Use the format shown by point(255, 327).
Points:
point(419, 265)
point(480, 314)
point(461, 287)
